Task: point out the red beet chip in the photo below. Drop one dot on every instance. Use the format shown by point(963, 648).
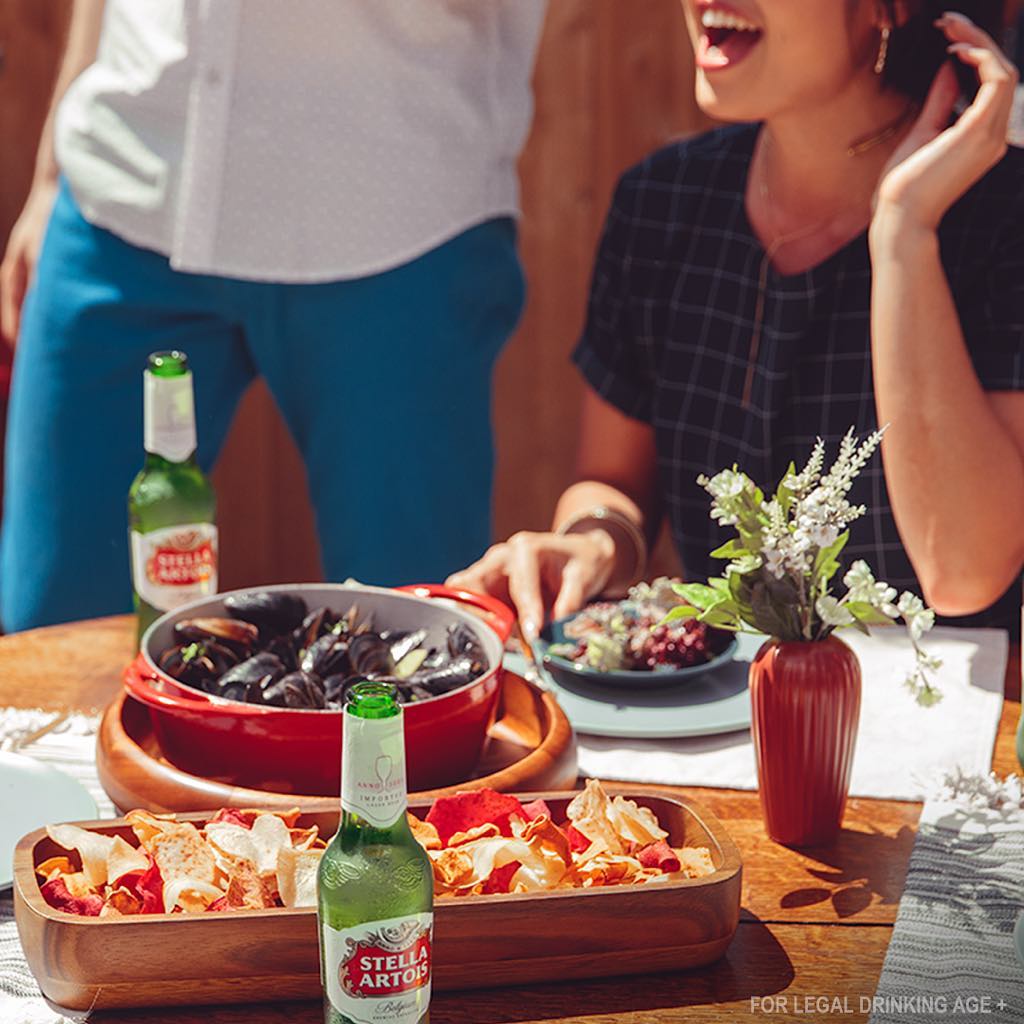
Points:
point(460, 813)
point(578, 842)
point(55, 892)
point(500, 879)
point(233, 816)
point(535, 809)
point(659, 855)
point(148, 886)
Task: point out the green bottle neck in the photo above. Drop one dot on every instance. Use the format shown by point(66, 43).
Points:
point(157, 463)
point(373, 780)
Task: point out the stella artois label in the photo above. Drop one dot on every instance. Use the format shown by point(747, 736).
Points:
point(175, 565)
point(374, 790)
point(379, 972)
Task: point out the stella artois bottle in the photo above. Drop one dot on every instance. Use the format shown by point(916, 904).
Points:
point(171, 503)
point(376, 884)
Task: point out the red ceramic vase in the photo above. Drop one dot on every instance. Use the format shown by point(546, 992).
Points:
point(806, 706)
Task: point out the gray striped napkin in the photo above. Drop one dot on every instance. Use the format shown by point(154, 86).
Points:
point(952, 956)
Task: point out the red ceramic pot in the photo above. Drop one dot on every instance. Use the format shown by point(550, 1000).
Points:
point(806, 707)
point(299, 751)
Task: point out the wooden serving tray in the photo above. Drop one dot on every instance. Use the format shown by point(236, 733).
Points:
point(530, 746)
point(479, 941)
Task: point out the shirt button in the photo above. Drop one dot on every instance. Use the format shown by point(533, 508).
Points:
point(213, 76)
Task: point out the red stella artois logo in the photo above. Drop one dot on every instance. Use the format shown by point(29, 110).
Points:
point(387, 962)
point(182, 560)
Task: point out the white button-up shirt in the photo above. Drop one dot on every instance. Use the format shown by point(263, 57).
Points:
point(300, 140)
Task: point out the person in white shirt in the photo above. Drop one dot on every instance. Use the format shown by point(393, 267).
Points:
point(322, 193)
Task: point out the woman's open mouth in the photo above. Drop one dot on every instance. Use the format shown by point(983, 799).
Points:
point(727, 38)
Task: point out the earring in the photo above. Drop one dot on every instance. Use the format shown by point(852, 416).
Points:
point(883, 50)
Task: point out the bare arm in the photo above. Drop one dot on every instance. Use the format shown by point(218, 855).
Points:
point(954, 454)
point(616, 467)
point(27, 234)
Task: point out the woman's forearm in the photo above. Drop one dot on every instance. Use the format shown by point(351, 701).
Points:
point(954, 472)
point(586, 495)
point(79, 52)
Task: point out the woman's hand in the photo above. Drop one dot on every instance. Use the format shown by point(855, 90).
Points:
point(19, 262)
point(537, 571)
point(937, 163)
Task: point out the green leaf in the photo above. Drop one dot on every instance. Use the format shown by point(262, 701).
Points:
point(826, 564)
point(730, 550)
point(783, 495)
point(868, 614)
point(698, 594)
point(721, 616)
point(682, 611)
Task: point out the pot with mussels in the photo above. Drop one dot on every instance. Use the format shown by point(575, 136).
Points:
point(248, 686)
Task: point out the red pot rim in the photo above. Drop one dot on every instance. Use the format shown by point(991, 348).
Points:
point(142, 672)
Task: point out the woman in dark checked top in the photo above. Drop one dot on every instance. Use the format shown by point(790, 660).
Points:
point(848, 252)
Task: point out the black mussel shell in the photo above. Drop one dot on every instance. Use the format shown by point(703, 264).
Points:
point(295, 690)
point(369, 655)
point(247, 680)
point(403, 643)
point(448, 677)
point(336, 688)
point(282, 647)
point(326, 656)
point(272, 611)
point(463, 642)
point(196, 664)
point(312, 627)
point(240, 637)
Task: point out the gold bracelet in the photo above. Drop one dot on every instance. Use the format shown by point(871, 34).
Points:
point(605, 514)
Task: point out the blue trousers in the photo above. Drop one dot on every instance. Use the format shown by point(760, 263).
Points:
point(383, 381)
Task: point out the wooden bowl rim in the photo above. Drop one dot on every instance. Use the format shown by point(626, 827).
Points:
point(557, 734)
point(28, 890)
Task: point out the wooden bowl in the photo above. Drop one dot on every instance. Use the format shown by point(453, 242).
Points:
point(479, 941)
point(529, 746)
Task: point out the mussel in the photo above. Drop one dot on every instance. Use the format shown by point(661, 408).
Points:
point(237, 636)
point(272, 611)
point(326, 656)
point(247, 680)
point(370, 656)
point(198, 664)
point(296, 690)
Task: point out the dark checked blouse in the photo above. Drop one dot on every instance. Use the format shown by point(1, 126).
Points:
point(672, 317)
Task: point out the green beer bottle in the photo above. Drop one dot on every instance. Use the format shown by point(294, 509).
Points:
point(171, 503)
point(375, 888)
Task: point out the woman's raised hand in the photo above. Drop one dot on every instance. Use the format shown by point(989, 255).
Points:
point(536, 572)
point(937, 163)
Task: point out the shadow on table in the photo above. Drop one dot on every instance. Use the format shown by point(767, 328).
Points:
point(859, 868)
point(755, 965)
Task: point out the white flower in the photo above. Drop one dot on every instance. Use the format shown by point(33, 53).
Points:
point(727, 484)
point(918, 618)
point(865, 589)
point(743, 566)
point(832, 613)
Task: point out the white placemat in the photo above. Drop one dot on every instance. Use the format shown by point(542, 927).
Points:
point(901, 747)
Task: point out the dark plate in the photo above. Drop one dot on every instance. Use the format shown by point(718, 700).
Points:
point(568, 671)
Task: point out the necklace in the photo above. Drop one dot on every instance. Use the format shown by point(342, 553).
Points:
point(855, 149)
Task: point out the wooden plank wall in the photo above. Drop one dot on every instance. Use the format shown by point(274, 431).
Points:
point(613, 81)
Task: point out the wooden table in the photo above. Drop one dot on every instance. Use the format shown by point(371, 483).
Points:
point(814, 923)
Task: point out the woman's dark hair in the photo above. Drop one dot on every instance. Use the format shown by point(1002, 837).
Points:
point(917, 49)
